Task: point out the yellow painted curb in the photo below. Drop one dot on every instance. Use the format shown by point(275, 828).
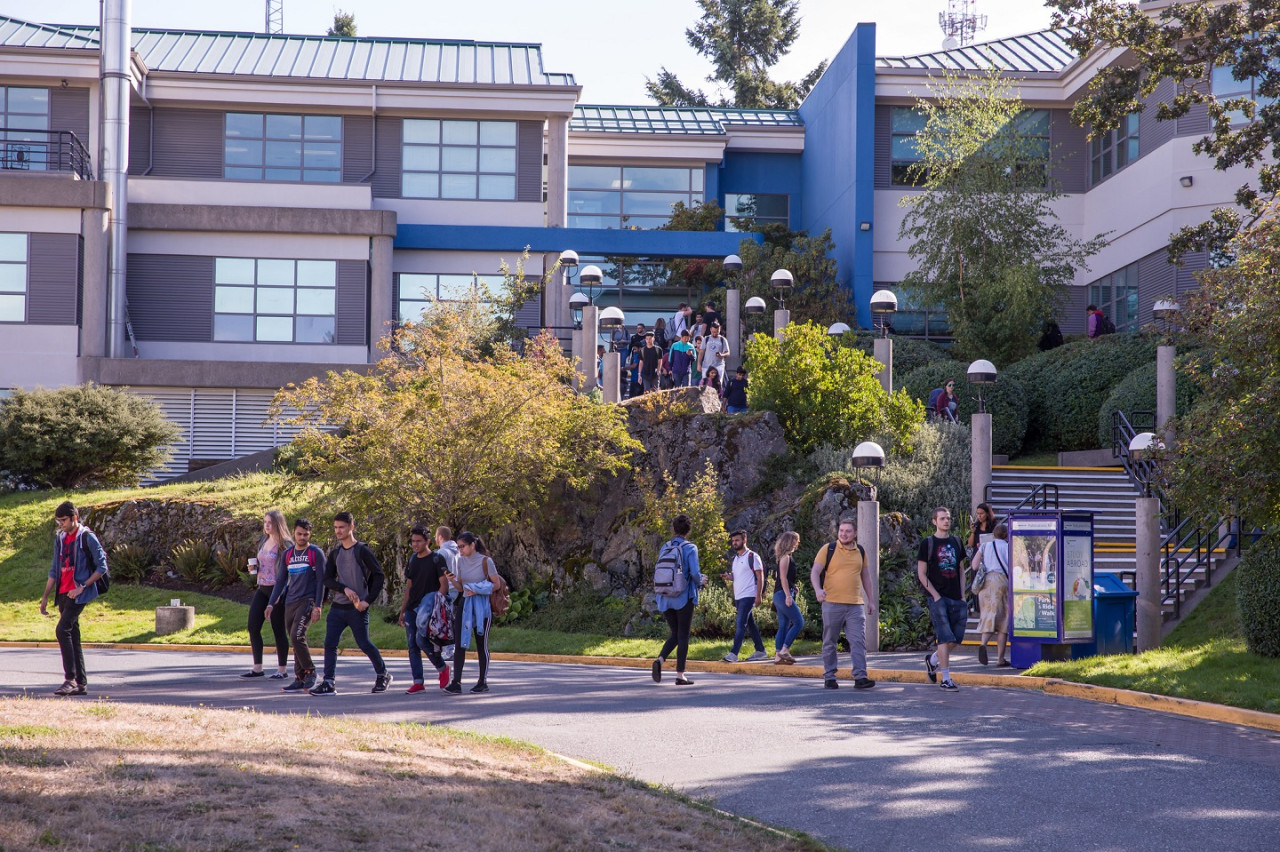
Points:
point(1165, 704)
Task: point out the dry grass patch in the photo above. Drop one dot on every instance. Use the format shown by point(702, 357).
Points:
point(99, 776)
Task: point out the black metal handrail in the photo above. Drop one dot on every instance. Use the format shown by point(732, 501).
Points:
point(1123, 430)
point(44, 151)
point(1037, 499)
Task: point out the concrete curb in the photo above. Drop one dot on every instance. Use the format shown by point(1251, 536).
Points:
point(1204, 710)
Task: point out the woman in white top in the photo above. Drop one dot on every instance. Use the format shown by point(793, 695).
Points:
point(993, 596)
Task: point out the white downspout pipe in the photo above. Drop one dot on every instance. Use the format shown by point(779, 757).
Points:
point(115, 46)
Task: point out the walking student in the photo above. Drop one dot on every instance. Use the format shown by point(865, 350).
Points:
point(735, 392)
point(842, 583)
point(790, 619)
point(992, 564)
point(938, 565)
point(353, 573)
point(747, 576)
point(714, 350)
point(269, 561)
point(299, 591)
point(475, 577)
point(78, 563)
point(425, 575)
point(681, 358)
point(678, 610)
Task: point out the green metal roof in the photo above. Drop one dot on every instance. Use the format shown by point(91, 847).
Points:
point(688, 121)
point(1044, 51)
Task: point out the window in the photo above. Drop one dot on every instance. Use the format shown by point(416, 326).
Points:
point(24, 128)
point(1114, 150)
point(1225, 87)
point(467, 160)
point(905, 122)
point(13, 277)
point(419, 290)
point(1117, 296)
point(630, 196)
point(1030, 129)
point(274, 301)
point(283, 147)
point(760, 209)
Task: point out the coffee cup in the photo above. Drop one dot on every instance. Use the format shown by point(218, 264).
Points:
point(253, 565)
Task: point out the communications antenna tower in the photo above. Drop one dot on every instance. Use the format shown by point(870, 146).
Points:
point(275, 17)
point(959, 23)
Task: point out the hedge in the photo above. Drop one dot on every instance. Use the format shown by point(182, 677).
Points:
point(1137, 392)
point(1066, 387)
point(1006, 401)
point(908, 354)
point(1259, 597)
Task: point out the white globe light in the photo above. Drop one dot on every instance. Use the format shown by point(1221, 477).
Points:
point(611, 317)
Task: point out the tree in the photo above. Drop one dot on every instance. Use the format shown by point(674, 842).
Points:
point(743, 39)
point(344, 24)
point(1186, 43)
point(81, 435)
point(983, 233)
point(822, 392)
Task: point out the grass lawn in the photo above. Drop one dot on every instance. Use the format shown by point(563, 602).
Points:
point(102, 775)
point(1204, 658)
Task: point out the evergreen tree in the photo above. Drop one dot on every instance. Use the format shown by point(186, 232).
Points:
point(344, 24)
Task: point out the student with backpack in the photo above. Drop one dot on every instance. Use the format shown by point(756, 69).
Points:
point(676, 580)
point(842, 583)
point(940, 568)
point(77, 576)
point(747, 578)
point(426, 576)
point(356, 578)
point(1098, 323)
point(299, 592)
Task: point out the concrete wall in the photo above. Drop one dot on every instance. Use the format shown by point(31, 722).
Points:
point(38, 355)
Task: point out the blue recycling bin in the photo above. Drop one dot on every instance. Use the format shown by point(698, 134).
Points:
point(1114, 613)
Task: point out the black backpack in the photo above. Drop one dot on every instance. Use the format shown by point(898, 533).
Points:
point(831, 551)
point(1105, 325)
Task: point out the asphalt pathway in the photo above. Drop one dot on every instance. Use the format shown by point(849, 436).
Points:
point(899, 767)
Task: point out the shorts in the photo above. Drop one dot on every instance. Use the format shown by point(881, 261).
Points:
point(950, 618)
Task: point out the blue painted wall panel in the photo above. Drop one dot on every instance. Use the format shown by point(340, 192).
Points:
point(757, 172)
point(586, 241)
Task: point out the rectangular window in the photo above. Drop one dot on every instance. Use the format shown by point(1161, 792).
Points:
point(1225, 87)
point(263, 146)
point(756, 209)
point(904, 124)
point(1117, 296)
point(418, 290)
point(13, 277)
point(24, 129)
point(274, 301)
point(465, 160)
point(1112, 151)
point(630, 196)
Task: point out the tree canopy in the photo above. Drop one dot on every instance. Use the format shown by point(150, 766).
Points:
point(743, 39)
point(344, 24)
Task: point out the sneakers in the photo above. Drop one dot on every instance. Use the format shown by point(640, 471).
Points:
point(383, 681)
point(863, 683)
point(69, 687)
point(253, 674)
point(444, 677)
point(1004, 664)
point(930, 669)
point(657, 670)
point(278, 675)
point(415, 689)
point(949, 685)
point(730, 658)
point(757, 657)
point(830, 683)
point(309, 679)
point(982, 654)
point(681, 680)
point(785, 654)
point(325, 687)
point(297, 685)
point(480, 688)
point(453, 689)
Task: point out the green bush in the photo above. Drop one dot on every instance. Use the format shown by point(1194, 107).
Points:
point(81, 435)
point(1137, 392)
point(904, 617)
point(193, 561)
point(1066, 387)
point(1259, 597)
point(231, 566)
point(934, 472)
point(130, 563)
point(1006, 401)
point(908, 354)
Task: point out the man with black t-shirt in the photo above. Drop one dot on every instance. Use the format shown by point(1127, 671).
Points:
point(650, 358)
point(424, 574)
point(711, 316)
point(941, 572)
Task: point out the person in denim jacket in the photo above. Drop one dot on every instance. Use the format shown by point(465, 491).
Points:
point(78, 563)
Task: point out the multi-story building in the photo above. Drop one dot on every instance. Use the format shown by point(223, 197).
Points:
point(289, 198)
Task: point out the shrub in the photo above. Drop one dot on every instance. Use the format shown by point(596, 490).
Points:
point(1006, 401)
point(909, 354)
point(81, 435)
point(1067, 386)
point(934, 472)
point(230, 566)
point(1137, 392)
point(130, 563)
point(700, 500)
point(1259, 597)
point(193, 561)
point(904, 617)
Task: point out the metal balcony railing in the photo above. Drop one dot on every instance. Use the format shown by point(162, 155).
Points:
point(44, 151)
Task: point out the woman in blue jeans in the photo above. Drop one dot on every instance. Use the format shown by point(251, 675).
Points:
point(790, 620)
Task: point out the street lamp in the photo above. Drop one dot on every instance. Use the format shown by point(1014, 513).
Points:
point(1142, 447)
point(870, 454)
point(981, 373)
point(1167, 312)
point(612, 317)
point(590, 277)
point(1146, 523)
point(755, 305)
point(577, 302)
point(782, 282)
point(732, 263)
point(838, 328)
point(569, 260)
point(884, 304)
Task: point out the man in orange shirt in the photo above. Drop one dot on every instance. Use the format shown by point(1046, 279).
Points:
point(842, 583)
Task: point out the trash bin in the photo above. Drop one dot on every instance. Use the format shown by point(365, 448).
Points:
point(1113, 617)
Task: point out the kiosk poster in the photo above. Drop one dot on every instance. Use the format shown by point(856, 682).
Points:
point(1077, 580)
point(1035, 577)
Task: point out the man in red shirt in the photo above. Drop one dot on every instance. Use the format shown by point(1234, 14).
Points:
point(78, 563)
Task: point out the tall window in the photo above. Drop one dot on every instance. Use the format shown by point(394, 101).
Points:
point(274, 301)
point(468, 160)
point(1117, 295)
point(24, 125)
point(13, 277)
point(905, 123)
point(630, 196)
point(418, 290)
point(759, 208)
point(1225, 87)
point(305, 148)
point(1114, 150)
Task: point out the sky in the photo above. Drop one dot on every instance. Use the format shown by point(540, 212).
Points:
point(610, 46)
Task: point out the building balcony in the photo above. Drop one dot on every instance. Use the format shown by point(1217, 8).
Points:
point(44, 151)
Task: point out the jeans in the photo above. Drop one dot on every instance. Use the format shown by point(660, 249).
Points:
point(415, 650)
point(681, 379)
point(650, 383)
point(340, 618)
point(68, 633)
point(737, 409)
point(257, 618)
point(950, 619)
point(679, 621)
point(297, 618)
point(790, 620)
point(852, 619)
point(744, 622)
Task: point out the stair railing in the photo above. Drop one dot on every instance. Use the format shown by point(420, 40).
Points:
point(1043, 496)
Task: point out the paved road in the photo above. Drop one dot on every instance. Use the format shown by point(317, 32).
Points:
point(900, 767)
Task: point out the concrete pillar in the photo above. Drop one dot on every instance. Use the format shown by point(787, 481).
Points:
point(612, 377)
point(733, 328)
point(882, 351)
point(869, 538)
point(780, 321)
point(556, 312)
point(557, 170)
point(382, 295)
point(93, 294)
point(1166, 391)
point(575, 352)
point(980, 458)
point(1147, 543)
point(587, 341)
